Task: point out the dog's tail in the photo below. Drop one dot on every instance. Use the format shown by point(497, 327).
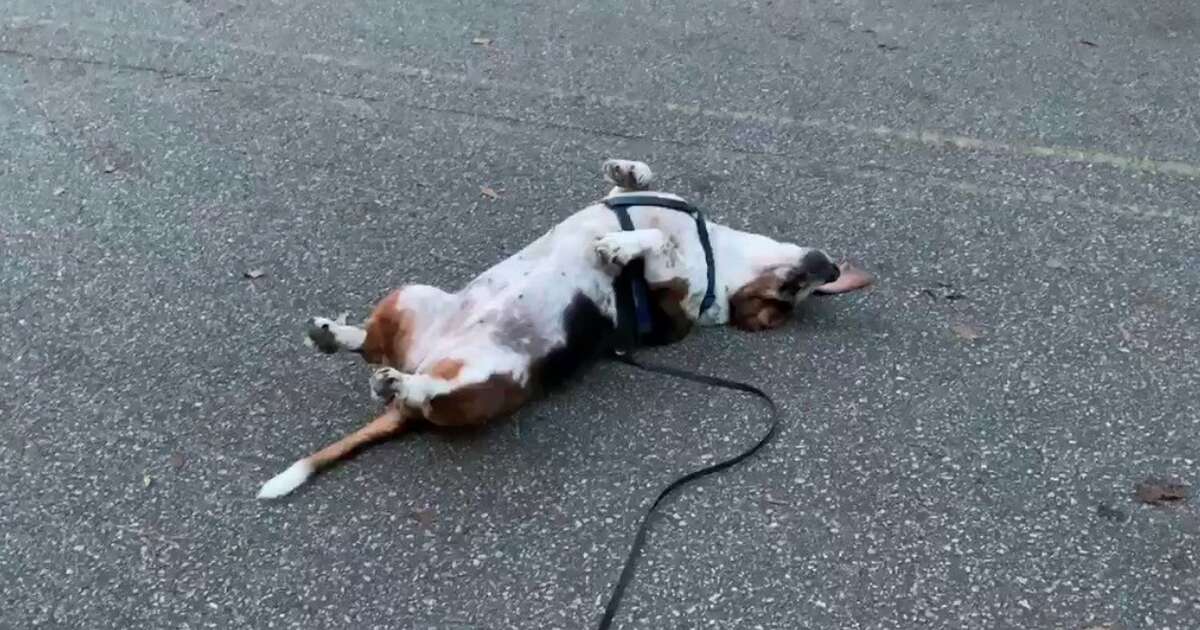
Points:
point(392, 422)
point(330, 336)
point(290, 479)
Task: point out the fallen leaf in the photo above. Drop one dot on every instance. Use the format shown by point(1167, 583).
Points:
point(489, 192)
point(146, 481)
point(482, 41)
point(944, 291)
point(966, 332)
point(1055, 263)
point(1107, 512)
point(773, 501)
point(1181, 561)
point(58, 191)
point(177, 460)
point(108, 168)
point(254, 274)
point(423, 517)
point(1158, 492)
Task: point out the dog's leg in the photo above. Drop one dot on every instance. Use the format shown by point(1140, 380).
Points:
point(413, 390)
point(619, 248)
point(455, 398)
point(627, 175)
point(664, 271)
point(330, 336)
point(661, 255)
point(391, 423)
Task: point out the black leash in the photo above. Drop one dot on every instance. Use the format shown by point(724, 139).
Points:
point(639, 539)
point(635, 327)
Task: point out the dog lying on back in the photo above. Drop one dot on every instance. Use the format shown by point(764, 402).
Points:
point(462, 359)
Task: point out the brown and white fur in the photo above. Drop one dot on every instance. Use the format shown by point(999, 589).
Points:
point(464, 358)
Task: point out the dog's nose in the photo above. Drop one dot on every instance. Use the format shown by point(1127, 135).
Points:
point(819, 266)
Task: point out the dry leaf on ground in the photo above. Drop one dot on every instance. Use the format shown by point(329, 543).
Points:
point(966, 332)
point(254, 274)
point(944, 291)
point(1107, 512)
point(489, 192)
point(423, 517)
point(1158, 492)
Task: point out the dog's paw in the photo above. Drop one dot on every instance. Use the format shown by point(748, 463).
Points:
point(320, 335)
point(386, 384)
point(615, 249)
point(332, 335)
point(628, 174)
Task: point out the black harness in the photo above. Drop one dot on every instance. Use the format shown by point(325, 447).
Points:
point(634, 319)
point(635, 328)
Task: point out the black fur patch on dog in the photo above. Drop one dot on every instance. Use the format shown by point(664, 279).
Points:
point(589, 334)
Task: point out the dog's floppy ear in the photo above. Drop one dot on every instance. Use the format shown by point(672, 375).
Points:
point(759, 305)
point(850, 279)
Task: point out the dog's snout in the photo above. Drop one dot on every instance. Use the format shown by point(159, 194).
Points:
point(833, 273)
point(819, 266)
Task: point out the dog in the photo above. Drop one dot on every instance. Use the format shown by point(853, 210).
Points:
point(462, 359)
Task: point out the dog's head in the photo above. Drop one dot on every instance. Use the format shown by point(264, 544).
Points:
point(782, 276)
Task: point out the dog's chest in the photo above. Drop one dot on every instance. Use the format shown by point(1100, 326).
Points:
point(521, 303)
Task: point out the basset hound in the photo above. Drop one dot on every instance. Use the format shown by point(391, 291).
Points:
point(464, 358)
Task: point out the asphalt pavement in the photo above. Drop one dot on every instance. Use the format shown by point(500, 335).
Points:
point(961, 443)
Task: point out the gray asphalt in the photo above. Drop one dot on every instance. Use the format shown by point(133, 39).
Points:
point(961, 442)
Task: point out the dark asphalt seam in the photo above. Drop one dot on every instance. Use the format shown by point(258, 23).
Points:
point(814, 169)
point(91, 62)
point(284, 87)
point(928, 137)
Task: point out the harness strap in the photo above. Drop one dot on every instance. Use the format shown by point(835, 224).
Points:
point(639, 538)
point(620, 205)
point(633, 296)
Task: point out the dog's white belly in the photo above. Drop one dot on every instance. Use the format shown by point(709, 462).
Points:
point(515, 313)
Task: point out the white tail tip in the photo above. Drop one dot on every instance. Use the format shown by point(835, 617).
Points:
point(286, 481)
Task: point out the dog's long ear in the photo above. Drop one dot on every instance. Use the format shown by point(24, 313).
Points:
point(850, 279)
point(759, 305)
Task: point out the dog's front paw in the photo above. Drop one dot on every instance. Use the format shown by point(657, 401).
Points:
point(386, 384)
point(615, 249)
point(628, 174)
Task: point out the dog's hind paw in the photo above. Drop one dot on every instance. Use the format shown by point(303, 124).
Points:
point(319, 336)
point(332, 335)
point(386, 383)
